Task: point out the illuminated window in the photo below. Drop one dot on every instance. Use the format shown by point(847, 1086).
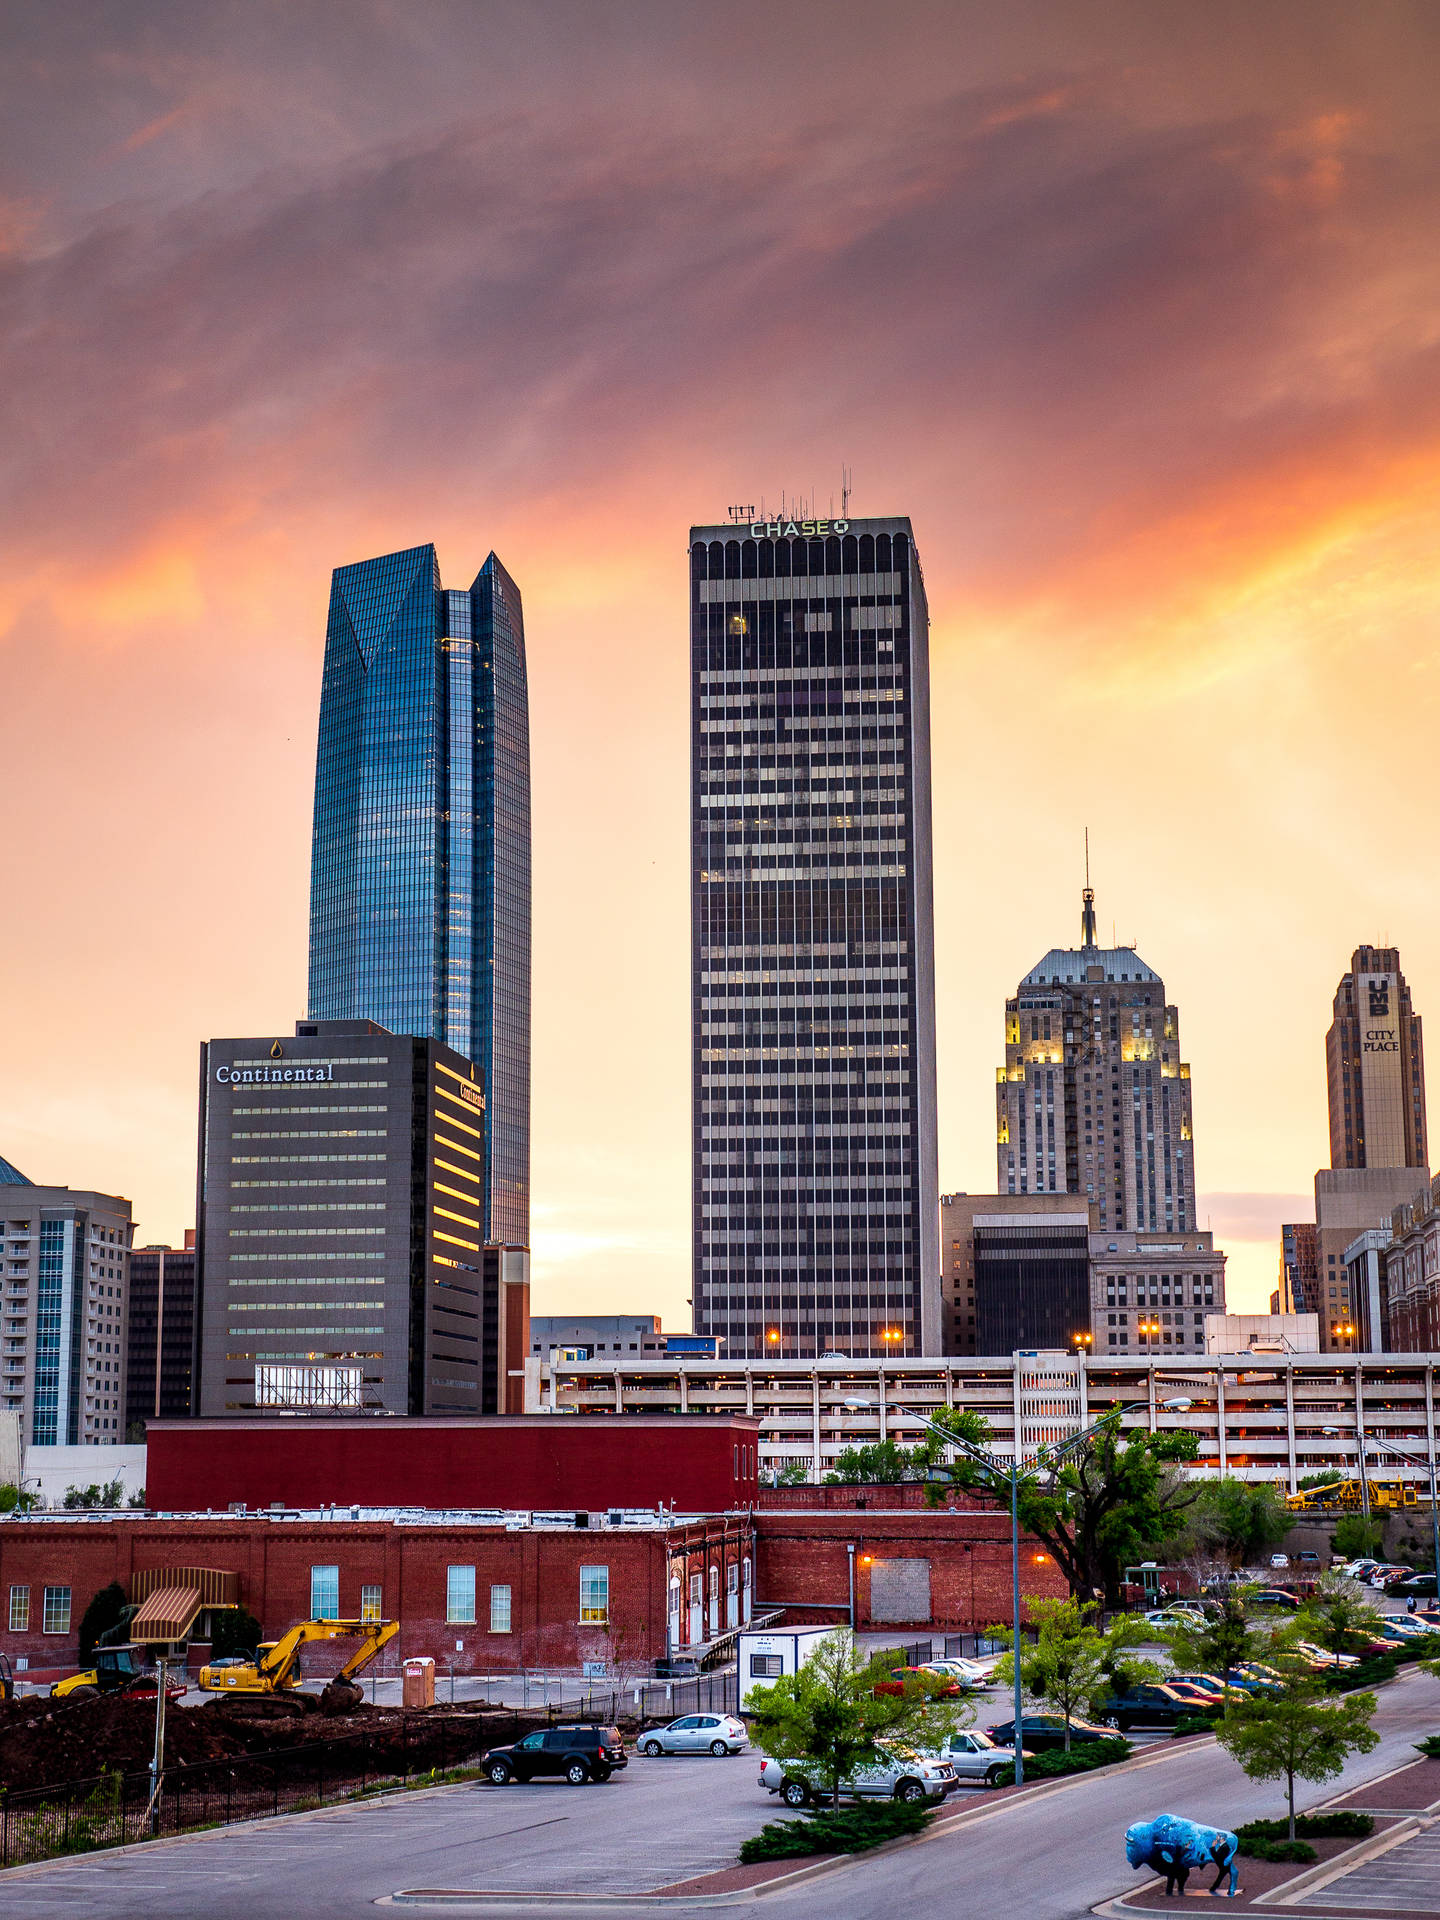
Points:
point(370, 1603)
point(594, 1596)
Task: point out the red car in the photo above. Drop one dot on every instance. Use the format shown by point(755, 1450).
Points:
point(941, 1685)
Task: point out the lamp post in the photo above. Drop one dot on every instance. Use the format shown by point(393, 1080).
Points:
point(1401, 1453)
point(1015, 1472)
point(850, 1552)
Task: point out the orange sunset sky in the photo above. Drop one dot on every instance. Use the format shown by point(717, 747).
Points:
point(1131, 307)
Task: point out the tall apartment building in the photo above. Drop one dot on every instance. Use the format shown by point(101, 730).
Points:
point(160, 1335)
point(1094, 1098)
point(420, 867)
point(1375, 1067)
point(65, 1257)
point(342, 1257)
point(815, 1180)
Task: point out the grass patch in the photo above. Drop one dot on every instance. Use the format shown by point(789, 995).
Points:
point(1081, 1759)
point(836, 1830)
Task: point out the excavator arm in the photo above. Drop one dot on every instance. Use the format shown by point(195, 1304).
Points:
point(378, 1635)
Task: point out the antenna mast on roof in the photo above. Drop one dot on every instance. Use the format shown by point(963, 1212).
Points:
point(739, 514)
point(1087, 902)
point(846, 487)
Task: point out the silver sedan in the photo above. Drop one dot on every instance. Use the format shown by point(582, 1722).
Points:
point(717, 1733)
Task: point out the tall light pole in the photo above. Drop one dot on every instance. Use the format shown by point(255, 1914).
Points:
point(1015, 1473)
point(1401, 1453)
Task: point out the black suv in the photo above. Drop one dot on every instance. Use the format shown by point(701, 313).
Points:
point(1147, 1705)
point(577, 1753)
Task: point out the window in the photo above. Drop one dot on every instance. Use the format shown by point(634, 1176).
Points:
point(324, 1593)
point(594, 1596)
point(460, 1596)
point(500, 1609)
point(57, 1610)
point(370, 1603)
point(766, 1666)
point(19, 1609)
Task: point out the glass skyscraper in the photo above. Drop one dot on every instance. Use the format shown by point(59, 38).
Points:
point(420, 867)
point(816, 1197)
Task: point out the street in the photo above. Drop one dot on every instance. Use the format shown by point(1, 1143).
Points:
point(1051, 1857)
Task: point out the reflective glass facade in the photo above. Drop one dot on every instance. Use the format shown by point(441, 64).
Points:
point(420, 870)
point(816, 1202)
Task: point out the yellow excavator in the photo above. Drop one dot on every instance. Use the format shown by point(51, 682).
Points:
point(276, 1666)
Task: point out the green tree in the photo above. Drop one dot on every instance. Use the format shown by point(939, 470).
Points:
point(111, 1494)
point(103, 1612)
point(1065, 1665)
point(1239, 1520)
point(1336, 1617)
point(1117, 1499)
point(1303, 1733)
point(1356, 1537)
point(1121, 1666)
point(1225, 1639)
point(828, 1712)
point(233, 1630)
point(881, 1463)
point(795, 1474)
point(15, 1499)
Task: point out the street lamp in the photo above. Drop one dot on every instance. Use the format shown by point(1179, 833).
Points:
point(1428, 1462)
point(1014, 1471)
point(1082, 1340)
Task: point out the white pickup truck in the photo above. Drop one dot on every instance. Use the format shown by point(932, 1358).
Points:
point(896, 1773)
point(975, 1756)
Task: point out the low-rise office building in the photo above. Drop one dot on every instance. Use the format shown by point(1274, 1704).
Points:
point(1152, 1291)
point(160, 1334)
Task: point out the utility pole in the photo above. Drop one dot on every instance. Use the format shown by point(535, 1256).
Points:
point(157, 1759)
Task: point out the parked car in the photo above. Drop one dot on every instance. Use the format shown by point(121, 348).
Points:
point(717, 1733)
point(1308, 1557)
point(975, 1756)
point(1279, 1559)
point(677, 1669)
point(1322, 1658)
point(1042, 1732)
point(1403, 1627)
point(1167, 1617)
point(1422, 1585)
point(576, 1754)
point(1211, 1684)
point(941, 1684)
point(1148, 1704)
point(895, 1773)
point(1258, 1678)
point(965, 1673)
point(1277, 1597)
point(1201, 1695)
point(1359, 1569)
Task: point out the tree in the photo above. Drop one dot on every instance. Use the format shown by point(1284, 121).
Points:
point(1065, 1666)
point(15, 1499)
point(882, 1463)
point(795, 1474)
point(1337, 1617)
point(1303, 1733)
point(112, 1494)
point(1355, 1536)
point(103, 1612)
point(829, 1714)
point(233, 1630)
point(1121, 1666)
point(1240, 1520)
point(1114, 1500)
point(1226, 1638)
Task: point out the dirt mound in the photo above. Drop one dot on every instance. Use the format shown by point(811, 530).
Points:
point(44, 1741)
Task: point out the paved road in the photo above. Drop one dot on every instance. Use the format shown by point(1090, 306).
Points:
point(1051, 1858)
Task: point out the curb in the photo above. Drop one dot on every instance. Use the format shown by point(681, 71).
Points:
point(1324, 1871)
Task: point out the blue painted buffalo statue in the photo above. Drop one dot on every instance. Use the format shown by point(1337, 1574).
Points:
point(1172, 1846)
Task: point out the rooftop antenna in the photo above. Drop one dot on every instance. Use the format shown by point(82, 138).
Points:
point(739, 514)
point(1087, 902)
point(846, 479)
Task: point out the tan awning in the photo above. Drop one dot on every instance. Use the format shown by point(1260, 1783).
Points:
point(168, 1614)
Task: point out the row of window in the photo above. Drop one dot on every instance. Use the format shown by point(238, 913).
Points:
point(460, 1598)
point(55, 1612)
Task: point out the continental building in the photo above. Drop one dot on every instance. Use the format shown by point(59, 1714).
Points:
point(342, 1256)
point(420, 866)
point(1093, 1098)
point(65, 1258)
point(160, 1338)
point(1276, 1417)
point(1375, 1067)
point(815, 1184)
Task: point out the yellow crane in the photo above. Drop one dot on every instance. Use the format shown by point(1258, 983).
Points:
point(276, 1666)
point(1349, 1496)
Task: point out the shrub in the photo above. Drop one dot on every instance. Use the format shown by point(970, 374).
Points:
point(836, 1830)
point(1201, 1721)
point(1429, 1746)
point(1372, 1671)
point(1081, 1759)
point(1312, 1826)
point(1279, 1850)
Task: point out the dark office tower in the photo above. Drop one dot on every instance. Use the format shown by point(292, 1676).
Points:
point(160, 1334)
point(1375, 1065)
point(816, 1191)
point(1094, 1098)
point(341, 1259)
point(420, 869)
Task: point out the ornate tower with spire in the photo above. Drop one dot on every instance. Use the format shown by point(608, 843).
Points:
point(1093, 1097)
